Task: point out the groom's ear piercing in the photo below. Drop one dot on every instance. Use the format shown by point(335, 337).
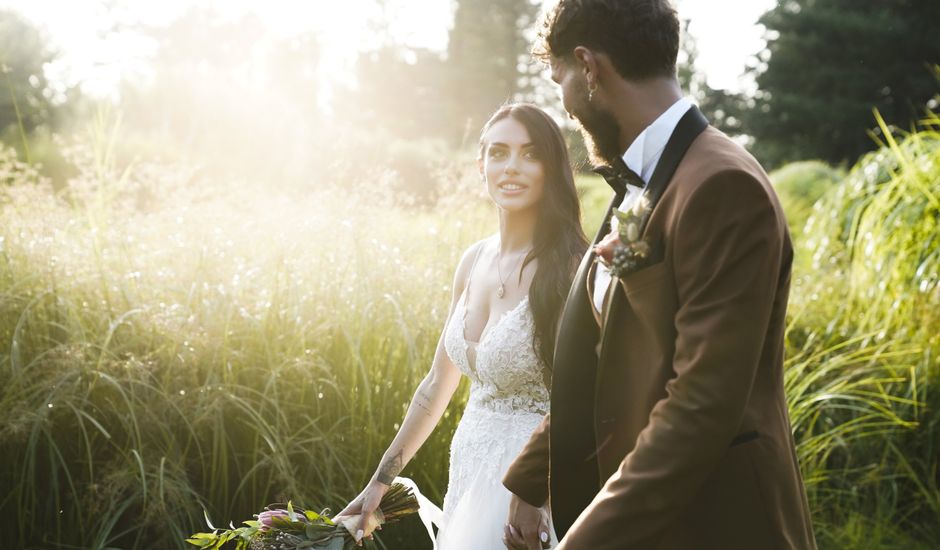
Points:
point(592, 87)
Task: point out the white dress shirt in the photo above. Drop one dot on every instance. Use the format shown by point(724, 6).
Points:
point(642, 157)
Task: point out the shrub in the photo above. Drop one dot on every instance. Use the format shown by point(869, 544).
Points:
point(862, 377)
point(799, 185)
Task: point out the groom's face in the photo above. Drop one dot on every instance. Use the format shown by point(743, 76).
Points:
point(599, 127)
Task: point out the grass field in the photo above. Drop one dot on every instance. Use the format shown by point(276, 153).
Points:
point(172, 344)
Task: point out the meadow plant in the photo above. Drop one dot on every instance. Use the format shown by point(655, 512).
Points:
point(800, 184)
point(862, 375)
point(174, 344)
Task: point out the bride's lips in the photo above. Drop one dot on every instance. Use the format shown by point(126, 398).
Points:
point(512, 188)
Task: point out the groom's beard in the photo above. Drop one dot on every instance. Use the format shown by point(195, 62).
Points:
point(601, 134)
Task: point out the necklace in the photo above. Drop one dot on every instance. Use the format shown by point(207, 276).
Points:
point(501, 291)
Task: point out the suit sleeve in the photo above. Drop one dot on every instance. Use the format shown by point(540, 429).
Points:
point(728, 248)
point(527, 476)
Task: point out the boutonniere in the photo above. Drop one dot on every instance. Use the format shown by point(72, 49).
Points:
point(632, 252)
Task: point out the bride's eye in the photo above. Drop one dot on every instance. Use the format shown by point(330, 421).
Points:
point(531, 154)
point(496, 153)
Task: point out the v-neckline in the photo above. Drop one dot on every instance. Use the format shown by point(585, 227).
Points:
point(486, 328)
point(467, 343)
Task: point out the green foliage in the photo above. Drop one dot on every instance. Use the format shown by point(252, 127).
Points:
point(399, 117)
point(799, 185)
point(278, 527)
point(487, 47)
point(399, 95)
point(24, 104)
point(827, 63)
point(15, 172)
point(234, 111)
point(595, 196)
point(862, 375)
point(418, 94)
point(174, 345)
point(415, 171)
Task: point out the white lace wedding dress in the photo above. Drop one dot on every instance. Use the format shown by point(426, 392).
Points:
point(508, 400)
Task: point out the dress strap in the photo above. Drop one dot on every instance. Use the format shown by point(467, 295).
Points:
point(466, 287)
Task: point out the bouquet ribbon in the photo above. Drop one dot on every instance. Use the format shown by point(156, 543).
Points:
point(428, 512)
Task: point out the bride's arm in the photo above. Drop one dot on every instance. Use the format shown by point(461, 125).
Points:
point(432, 396)
point(427, 406)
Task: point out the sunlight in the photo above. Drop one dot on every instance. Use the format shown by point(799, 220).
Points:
point(100, 47)
point(235, 234)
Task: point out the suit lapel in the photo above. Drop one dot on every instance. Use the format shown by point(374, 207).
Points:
point(591, 275)
point(690, 126)
point(580, 296)
point(591, 265)
point(572, 399)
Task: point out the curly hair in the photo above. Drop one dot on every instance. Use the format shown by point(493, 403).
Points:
point(641, 37)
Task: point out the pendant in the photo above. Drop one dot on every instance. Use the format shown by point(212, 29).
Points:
point(501, 291)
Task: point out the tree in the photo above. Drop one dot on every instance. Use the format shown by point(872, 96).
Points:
point(828, 63)
point(488, 60)
point(232, 94)
point(400, 90)
point(410, 107)
point(418, 93)
point(393, 124)
point(722, 108)
point(24, 92)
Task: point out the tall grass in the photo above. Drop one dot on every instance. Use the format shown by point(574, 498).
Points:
point(864, 337)
point(173, 344)
point(800, 184)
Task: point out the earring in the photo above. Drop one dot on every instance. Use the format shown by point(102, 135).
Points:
point(592, 87)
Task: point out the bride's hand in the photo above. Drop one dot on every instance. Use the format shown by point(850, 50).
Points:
point(527, 527)
point(359, 516)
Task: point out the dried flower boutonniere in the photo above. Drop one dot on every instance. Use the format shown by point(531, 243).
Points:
point(632, 252)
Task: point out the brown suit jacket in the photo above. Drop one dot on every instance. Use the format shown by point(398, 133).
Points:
point(669, 426)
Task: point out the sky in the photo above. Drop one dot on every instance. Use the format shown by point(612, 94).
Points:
point(93, 54)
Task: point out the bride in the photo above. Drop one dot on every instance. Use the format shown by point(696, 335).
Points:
point(507, 298)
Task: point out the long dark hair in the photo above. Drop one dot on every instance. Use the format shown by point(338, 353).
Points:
point(559, 240)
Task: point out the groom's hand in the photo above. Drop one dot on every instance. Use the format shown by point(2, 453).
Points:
point(605, 249)
point(527, 527)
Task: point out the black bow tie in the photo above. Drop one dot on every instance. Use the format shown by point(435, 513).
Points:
point(618, 176)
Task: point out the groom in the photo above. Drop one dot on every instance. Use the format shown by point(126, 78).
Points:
point(668, 425)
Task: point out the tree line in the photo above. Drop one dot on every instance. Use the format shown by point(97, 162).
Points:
point(827, 64)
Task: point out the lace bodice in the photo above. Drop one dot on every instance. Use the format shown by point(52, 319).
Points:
point(505, 373)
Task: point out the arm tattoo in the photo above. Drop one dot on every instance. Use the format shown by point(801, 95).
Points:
point(424, 402)
point(390, 469)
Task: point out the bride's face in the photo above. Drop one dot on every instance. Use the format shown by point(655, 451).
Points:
point(515, 177)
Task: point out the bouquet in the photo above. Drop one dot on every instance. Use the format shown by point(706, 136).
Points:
point(286, 527)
